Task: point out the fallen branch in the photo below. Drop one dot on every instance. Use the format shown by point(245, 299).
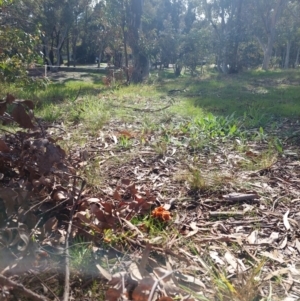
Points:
point(20, 289)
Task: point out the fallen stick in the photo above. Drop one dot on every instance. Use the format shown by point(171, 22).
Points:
point(227, 213)
point(21, 289)
point(240, 197)
point(142, 110)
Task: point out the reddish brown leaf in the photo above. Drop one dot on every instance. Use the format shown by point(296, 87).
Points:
point(112, 294)
point(2, 107)
point(142, 291)
point(28, 103)
point(117, 196)
point(21, 117)
point(165, 299)
point(3, 147)
point(10, 98)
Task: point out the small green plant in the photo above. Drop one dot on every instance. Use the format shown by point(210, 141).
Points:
point(245, 287)
point(197, 181)
point(153, 226)
point(81, 255)
point(125, 142)
point(161, 147)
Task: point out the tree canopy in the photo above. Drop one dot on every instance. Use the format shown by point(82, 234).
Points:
point(232, 34)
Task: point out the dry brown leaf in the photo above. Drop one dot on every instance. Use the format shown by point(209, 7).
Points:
point(3, 147)
point(165, 299)
point(27, 103)
point(143, 289)
point(10, 98)
point(21, 117)
point(2, 107)
point(126, 134)
point(9, 197)
point(50, 225)
point(112, 294)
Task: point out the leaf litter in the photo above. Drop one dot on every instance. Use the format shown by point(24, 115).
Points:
point(166, 222)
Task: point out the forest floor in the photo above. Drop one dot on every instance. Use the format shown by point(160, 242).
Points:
point(179, 189)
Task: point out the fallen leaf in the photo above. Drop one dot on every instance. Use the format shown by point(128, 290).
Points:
point(10, 98)
point(190, 281)
point(283, 243)
point(132, 227)
point(252, 238)
point(3, 147)
point(274, 256)
point(215, 256)
point(2, 108)
point(237, 264)
point(143, 289)
point(28, 103)
point(103, 272)
point(297, 245)
point(285, 220)
point(277, 273)
point(21, 117)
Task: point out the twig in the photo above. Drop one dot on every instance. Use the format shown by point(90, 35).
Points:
point(19, 288)
point(67, 255)
point(77, 94)
point(142, 110)
point(227, 213)
point(48, 288)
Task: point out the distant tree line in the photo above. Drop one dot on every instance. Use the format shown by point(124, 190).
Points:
point(232, 34)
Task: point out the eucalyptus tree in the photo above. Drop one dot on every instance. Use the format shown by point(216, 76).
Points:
point(263, 17)
point(225, 16)
point(289, 33)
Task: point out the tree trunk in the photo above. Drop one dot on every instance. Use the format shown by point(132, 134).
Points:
point(58, 49)
point(125, 52)
point(287, 55)
point(234, 58)
point(68, 51)
point(99, 58)
point(297, 58)
point(271, 31)
point(268, 52)
point(140, 59)
point(141, 68)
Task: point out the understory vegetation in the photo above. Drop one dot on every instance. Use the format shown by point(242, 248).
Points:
point(176, 189)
